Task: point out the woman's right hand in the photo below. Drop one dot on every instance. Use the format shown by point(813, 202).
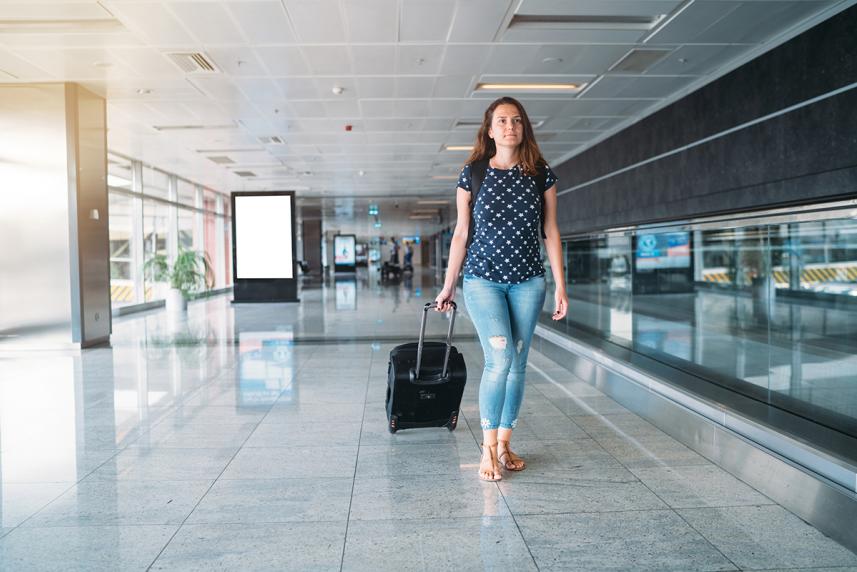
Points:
point(443, 299)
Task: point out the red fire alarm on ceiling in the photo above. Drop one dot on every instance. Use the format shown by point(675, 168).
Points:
point(349, 127)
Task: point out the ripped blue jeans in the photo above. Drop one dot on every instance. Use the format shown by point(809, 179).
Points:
point(505, 317)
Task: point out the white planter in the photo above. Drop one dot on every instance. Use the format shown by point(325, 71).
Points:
point(175, 301)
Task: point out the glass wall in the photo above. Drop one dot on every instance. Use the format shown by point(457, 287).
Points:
point(766, 306)
point(157, 213)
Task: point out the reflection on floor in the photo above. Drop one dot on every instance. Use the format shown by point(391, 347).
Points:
point(800, 352)
point(242, 439)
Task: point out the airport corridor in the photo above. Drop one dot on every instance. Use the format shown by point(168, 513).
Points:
point(253, 437)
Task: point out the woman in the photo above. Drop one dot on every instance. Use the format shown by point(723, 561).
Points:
point(504, 279)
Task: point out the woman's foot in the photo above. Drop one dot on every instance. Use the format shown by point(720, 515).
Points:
point(489, 468)
point(508, 459)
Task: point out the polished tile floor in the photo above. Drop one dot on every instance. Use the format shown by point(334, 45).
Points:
point(253, 437)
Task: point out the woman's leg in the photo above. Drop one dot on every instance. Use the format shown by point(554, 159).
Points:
point(525, 303)
point(489, 311)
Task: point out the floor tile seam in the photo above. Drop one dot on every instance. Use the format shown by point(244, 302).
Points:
point(204, 494)
point(594, 438)
point(660, 432)
point(356, 463)
point(707, 540)
point(670, 508)
point(70, 487)
point(500, 491)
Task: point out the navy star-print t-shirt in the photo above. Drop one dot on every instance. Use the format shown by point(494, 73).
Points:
point(507, 219)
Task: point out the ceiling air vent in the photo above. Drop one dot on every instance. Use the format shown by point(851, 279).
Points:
point(245, 173)
point(221, 160)
point(639, 60)
point(467, 123)
point(594, 22)
point(192, 62)
point(272, 140)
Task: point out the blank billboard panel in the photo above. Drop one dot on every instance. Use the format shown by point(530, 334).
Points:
point(263, 236)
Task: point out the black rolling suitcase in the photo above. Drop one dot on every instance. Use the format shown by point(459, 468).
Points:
point(425, 381)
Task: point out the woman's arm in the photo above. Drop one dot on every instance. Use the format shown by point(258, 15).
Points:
point(457, 250)
point(554, 250)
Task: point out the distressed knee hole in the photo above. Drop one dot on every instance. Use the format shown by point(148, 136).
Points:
point(498, 342)
point(520, 345)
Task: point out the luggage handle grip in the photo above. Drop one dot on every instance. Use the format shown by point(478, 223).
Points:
point(426, 308)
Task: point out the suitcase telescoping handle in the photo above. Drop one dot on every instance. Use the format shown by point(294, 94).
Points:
point(426, 309)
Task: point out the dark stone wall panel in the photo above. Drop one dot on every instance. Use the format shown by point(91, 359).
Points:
point(805, 154)
point(809, 140)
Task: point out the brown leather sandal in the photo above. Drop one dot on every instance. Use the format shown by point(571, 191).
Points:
point(495, 467)
point(512, 458)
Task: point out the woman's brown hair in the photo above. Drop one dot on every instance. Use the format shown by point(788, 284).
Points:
point(529, 155)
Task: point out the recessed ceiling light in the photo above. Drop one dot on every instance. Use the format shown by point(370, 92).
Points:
point(338, 90)
point(570, 87)
point(459, 147)
point(13, 26)
point(361, 173)
point(143, 91)
point(587, 22)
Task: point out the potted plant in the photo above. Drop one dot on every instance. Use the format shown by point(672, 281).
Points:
point(190, 272)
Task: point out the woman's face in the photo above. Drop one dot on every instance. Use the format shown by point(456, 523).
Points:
point(507, 127)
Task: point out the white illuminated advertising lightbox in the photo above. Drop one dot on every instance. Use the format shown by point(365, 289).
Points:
point(263, 236)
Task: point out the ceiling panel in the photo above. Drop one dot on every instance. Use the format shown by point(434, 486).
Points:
point(425, 20)
point(283, 60)
point(634, 86)
point(453, 86)
point(407, 68)
point(328, 60)
point(372, 21)
point(263, 22)
point(373, 60)
point(79, 63)
point(153, 22)
point(209, 22)
point(316, 21)
point(376, 87)
point(478, 20)
point(696, 60)
point(259, 89)
point(419, 60)
point(370, 108)
point(19, 68)
point(414, 86)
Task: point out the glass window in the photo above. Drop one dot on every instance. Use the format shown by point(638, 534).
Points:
point(156, 183)
point(121, 249)
point(186, 193)
point(769, 311)
point(187, 230)
point(119, 172)
point(155, 240)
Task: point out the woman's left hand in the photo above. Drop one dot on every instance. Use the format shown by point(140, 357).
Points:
point(561, 301)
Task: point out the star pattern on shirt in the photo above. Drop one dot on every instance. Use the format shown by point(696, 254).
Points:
point(507, 225)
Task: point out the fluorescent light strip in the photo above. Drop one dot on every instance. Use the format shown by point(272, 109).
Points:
point(446, 202)
point(529, 86)
point(595, 22)
point(59, 26)
point(459, 147)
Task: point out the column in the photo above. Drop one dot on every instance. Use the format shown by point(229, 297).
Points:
point(55, 281)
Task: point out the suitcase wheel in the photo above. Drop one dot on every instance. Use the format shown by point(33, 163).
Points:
point(453, 421)
point(393, 426)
